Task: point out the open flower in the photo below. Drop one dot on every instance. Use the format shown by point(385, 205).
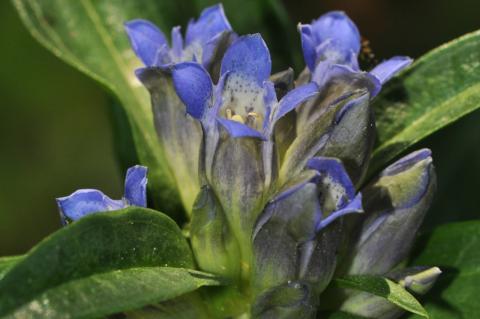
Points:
point(244, 102)
point(331, 45)
point(87, 201)
point(205, 42)
point(200, 43)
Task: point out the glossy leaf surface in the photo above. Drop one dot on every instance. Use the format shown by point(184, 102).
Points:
point(96, 249)
point(436, 90)
point(455, 249)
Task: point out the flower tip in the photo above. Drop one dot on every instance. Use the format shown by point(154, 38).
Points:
point(138, 168)
point(412, 159)
point(339, 14)
point(138, 25)
point(128, 24)
point(421, 282)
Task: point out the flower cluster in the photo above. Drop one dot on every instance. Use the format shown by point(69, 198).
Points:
point(272, 170)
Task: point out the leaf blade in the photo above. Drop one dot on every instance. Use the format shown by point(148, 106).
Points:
point(113, 292)
point(438, 89)
point(455, 248)
point(384, 288)
point(99, 243)
point(6, 263)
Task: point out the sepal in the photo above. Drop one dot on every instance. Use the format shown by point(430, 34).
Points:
point(213, 243)
point(294, 299)
point(179, 133)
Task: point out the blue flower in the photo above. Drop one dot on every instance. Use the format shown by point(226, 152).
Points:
point(331, 45)
point(87, 201)
point(201, 39)
point(205, 42)
point(244, 101)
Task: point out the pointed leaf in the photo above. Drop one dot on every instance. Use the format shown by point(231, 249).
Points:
point(438, 89)
point(385, 288)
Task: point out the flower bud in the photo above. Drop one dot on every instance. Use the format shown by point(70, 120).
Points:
point(395, 205)
point(326, 129)
point(296, 236)
point(418, 280)
point(287, 222)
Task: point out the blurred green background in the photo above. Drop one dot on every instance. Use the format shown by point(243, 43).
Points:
point(56, 130)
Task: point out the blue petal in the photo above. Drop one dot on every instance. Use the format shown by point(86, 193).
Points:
point(86, 201)
point(354, 206)
point(210, 49)
point(212, 21)
point(194, 87)
point(335, 53)
point(325, 72)
point(177, 42)
point(249, 57)
point(333, 169)
point(269, 100)
point(338, 27)
point(136, 186)
point(270, 95)
point(148, 42)
point(387, 69)
point(237, 130)
point(296, 97)
point(308, 45)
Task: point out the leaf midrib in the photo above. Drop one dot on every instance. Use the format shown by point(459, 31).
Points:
point(470, 91)
point(110, 46)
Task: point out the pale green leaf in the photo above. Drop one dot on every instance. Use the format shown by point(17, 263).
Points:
point(384, 288)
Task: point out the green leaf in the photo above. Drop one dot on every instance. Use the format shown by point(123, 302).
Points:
point(438, 89)
point(384, 288)
point(89, 35)
point(98, 249)
point(455, 248)
point(186, 306)
point(6, 263)
point(339, 315)
point(115, 291)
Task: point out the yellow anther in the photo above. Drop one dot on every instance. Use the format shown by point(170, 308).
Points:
point(254, 115)
point(238, 118)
